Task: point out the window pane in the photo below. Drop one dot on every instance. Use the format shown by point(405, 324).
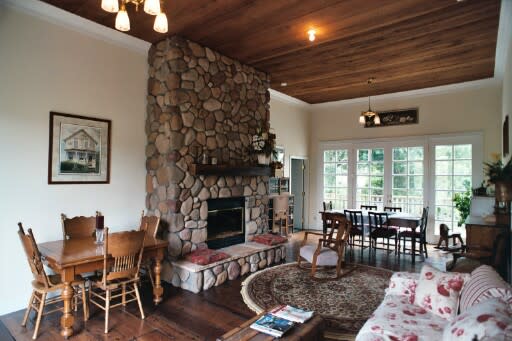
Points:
point(416, 182)
point(444, 167)
point(444, 198)
point(377, 182)
point(399, 167)
point(416, 168)
point(329, 168)
point(362, 155)
point(462, 151)
point(342, 168)
point(341, 181)
point(377, 154)
point(444, 182)
point(400, 154)
point(363, 168)
point(400, 182)
point(329, 180)
point(363, 181)
point(329, 155)
point(377, 168)
point(462, 167)
point(443, 152)
point(415, 153)
point(461, 183)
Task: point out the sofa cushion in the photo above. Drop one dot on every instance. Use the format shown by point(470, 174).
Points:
point(439, 291)
point(403, 284)
point(269, 239)
point(484, 283)
point(205, 256)
point(489, 320)
point(397, 319)
point(326, 257)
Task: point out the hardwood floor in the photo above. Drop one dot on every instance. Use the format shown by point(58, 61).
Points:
point(182, 315)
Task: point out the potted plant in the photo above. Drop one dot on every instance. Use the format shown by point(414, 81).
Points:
point(501, 176)
point(263, 146)
point(462, 202)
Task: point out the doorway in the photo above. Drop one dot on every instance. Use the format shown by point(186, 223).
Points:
point(298, 187)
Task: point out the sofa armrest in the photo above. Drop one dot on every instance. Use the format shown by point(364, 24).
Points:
point(403, 284)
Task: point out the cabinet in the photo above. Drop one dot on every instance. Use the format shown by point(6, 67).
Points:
point(280, 213)
point(278, 185)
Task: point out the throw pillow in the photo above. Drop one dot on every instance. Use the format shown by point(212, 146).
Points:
point(489, 320)
point(484, 283)
point(403, 284)
point(439, 291)
point(205, 256)
point(269, 239)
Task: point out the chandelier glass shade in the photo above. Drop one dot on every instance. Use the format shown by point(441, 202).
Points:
point(151, 7)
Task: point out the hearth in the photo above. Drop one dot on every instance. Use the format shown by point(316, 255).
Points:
point(226, 222)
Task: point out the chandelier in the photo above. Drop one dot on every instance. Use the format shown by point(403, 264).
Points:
point(151, 7)
point(369, 116)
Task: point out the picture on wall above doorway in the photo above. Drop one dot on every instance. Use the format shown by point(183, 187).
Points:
point(79, 149)
point(395, 118)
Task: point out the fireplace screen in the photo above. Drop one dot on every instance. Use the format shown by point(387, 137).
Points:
point(225, 222)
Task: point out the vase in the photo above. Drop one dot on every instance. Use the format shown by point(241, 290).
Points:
point(263, 159)
point(503, 190)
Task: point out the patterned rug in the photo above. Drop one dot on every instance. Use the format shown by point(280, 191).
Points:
point(345, 304)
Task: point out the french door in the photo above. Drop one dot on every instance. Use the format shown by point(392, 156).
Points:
point(379, 174)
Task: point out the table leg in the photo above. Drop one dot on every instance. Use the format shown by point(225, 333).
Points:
point(157, 289)
point(67, 319)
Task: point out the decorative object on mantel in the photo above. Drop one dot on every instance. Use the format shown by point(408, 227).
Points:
point(79, 150)
point(262, 145)
point(501, 176)
point(395, 118)
point(369, 116)
point(151, 7)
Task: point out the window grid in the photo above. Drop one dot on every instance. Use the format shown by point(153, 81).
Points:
point(407, 164)
point(370, 177)
point(336, 178)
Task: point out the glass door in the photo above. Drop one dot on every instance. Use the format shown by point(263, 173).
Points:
point(407, 175)
point(370, 177)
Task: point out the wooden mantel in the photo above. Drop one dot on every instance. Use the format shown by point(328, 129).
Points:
point(198, 169)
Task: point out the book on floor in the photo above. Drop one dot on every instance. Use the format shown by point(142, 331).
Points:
point(292, 313)
point(272, 325)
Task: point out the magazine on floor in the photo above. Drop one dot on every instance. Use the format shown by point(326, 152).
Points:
point(272, 325)
point(292, 313)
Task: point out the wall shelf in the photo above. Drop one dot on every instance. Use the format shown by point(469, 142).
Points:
point(198, 169)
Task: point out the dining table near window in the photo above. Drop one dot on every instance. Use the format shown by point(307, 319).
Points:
point(71, 257)
point(400, 219)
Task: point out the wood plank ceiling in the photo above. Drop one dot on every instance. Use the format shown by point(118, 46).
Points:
point(404, 45)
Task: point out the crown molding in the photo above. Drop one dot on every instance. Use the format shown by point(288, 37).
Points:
point(287, 99)
point(443, 89)
point(78, 24)
point(504, 42)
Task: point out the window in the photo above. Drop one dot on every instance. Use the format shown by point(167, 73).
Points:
point(453, 172)
point(336, 178)
point(407, 179)
point(75, 143)
point(370, 177)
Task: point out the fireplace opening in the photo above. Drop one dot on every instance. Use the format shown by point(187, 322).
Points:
point(226, 222)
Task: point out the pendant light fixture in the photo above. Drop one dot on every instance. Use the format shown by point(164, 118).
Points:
point(151, 7)
point(370, 115)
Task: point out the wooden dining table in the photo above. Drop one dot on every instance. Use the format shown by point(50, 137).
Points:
point(400, 219)
point(75, 256)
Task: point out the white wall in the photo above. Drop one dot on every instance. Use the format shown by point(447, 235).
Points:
point(46, 67)
point(474, 107)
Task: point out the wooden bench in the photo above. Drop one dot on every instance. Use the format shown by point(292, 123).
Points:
point(311, 330)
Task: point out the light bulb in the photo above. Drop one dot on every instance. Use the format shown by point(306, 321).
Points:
point(122, 20)
point(161, 23)
point(362, 119)
point(111, 6)
point(311, 34)
point(376, 119)
point(152, 7)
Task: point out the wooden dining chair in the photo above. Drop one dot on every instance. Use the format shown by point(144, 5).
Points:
point(420, 236)
point(44, 284)
point(330, 250)
point(357, 230)
point(379, 229)
point(392, 209)
point(78, 227)
point(369, 207)
point(122, 257)
point(327, 206)
point(149, 224)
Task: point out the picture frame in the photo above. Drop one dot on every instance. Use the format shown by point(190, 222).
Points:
point(395, 118)
point(79, 149)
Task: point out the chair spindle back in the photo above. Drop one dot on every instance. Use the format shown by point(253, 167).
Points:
point(392, 209)
point(369, 207)
point(33, 256)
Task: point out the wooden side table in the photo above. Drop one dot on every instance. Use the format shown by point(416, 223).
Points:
point(311, 330)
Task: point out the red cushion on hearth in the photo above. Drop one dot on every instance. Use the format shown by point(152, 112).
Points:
point(206, 256)
point(269, 239)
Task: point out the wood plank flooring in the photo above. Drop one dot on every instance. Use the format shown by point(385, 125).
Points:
point(182, 315)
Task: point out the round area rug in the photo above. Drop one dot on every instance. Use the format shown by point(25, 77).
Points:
point(345, 304)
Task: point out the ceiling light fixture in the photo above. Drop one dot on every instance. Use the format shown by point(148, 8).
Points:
point(284, 84)
point(311, 34)
point(151, 7)
point(369, 116)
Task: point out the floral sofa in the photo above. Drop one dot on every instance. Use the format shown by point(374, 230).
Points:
point(435, 305)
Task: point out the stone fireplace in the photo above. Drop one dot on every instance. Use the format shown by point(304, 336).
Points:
point(201, 102)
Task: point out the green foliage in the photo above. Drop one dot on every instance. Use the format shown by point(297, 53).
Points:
point(462, 202)
point(496, 171)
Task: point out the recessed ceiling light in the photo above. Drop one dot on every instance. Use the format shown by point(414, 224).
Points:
point(284, 84)
point(311, 35)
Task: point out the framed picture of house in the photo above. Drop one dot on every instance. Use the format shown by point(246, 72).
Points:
point(79, 150)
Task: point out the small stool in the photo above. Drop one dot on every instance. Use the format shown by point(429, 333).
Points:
point(281, 218)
